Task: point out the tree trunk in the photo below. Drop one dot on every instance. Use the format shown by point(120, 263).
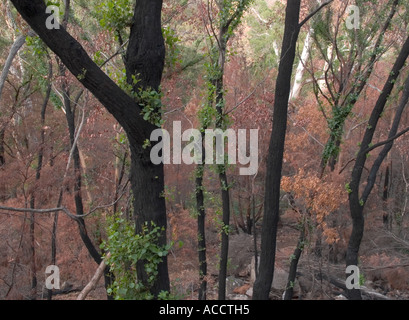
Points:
point(2, 163)
point(263, 282)
point(145, 60)
point(224, 185)
point(356, 202)
point(201, 224)
point(147, 183)
point(289, 291)
point(385, 196)
point(38, 175)
point(224, 254)
point(18, 43)
point(296, 89)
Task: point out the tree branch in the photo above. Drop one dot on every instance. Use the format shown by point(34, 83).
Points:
point(125, 110)
point(379, 144)
point(63, 209)
point(92, 284)
point(314, 13)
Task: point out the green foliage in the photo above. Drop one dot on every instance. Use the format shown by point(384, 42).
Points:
point(115, 15)
point(35, 46)
point(98, 58)
point(151, 103)
point(265, 35)
point(231, 13)
point(357, 49)
point(361, 279)
point(336, 129)
point(127, 248)
point(148, 99)
point(172, 48)
point(348, 188)
point(206, 115)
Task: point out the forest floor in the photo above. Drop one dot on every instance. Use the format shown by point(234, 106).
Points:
point(384, 264)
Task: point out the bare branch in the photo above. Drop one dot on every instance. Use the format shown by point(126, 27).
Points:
point(379, 144)
point(64, 209)
point(314, 13)
point(92, 284)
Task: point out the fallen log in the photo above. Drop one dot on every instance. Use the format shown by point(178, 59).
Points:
point(92, 284)
point(366, 293)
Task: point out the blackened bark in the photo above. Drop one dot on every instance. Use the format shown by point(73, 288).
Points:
point(79, 206)
point(263, 282)
point(201, 235)
point(145, 60)
point(125, 110)
point(356, 202)
point(224, 186)
point(201, 225)
point(147, 183)
point(2, 163)
point(385, 195)
point(145, 56)
point(224, 254)
point(288, 295)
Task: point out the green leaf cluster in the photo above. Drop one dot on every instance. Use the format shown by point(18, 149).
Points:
point(150, 102)
point(126, 249)
point(115, 15)
point(172, 49)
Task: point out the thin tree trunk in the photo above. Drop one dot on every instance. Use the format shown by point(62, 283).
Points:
point(201, 223)
point(296, 89)
point(224, 254)
point(332, 147)
point(385, 196)
point(295, 258)
point(2, 163)
point(38, 175)
point(224, 185)
point(356, 201)
point(54, 239)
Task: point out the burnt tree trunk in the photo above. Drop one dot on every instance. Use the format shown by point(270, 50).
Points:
point(2, 163)
point(356, 201)
point(201, 223)
point(387, 221)
point(295, 258)
point(224, 185)
point(263, 282)
point(145, 60)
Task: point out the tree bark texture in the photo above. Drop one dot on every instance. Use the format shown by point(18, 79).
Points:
point(145, 60)
point(356, 202)
point(263, 282)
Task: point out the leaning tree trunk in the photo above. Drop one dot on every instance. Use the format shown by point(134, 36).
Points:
point(356, 201)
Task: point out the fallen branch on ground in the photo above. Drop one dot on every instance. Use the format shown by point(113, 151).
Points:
point(92, 284)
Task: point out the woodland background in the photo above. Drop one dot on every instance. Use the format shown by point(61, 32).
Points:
point(58, 142)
